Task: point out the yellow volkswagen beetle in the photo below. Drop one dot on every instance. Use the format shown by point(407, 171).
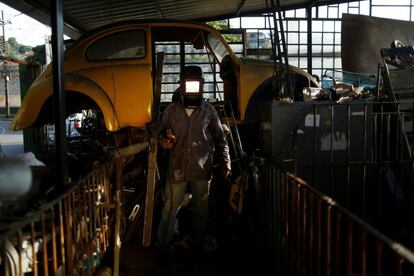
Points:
point(112, 69)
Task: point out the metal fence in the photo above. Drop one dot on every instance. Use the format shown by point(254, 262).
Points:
point(356, 187)
point(71, 234)
point(359, 153)
point(309, 233)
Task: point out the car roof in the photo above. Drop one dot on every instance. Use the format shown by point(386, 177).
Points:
point(151, 23)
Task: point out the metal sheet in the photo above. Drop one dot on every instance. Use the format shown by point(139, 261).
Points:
point(82, 16)
point(363, 36)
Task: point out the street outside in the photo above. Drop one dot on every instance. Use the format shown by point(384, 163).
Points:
point(11, 142)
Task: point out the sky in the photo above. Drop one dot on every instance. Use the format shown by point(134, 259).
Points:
point(26, 30)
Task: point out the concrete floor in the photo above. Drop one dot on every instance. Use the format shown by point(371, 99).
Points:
point(139, 261)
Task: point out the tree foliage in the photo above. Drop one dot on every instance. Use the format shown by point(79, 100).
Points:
point(39, 54)
point(22, 49)
point(223, 25)
point(219, 24)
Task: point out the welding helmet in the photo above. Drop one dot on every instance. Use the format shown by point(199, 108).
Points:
point(191, 82)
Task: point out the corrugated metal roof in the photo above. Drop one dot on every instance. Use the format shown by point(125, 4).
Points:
point(81, 16)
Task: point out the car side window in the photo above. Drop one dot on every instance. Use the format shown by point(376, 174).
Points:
point(121, 45)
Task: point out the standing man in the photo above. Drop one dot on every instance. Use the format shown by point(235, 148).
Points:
point(192, 131)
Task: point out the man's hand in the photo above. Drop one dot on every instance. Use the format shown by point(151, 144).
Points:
point(168, 139)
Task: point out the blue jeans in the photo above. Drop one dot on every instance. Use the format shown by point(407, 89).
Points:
point(174, 193)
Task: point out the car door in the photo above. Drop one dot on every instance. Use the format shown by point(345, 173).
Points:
point(132, 78)
point(130, 57)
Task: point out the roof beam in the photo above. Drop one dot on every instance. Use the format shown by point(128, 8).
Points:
point(240, 7)
point(285, 7)
point(157, 4)
point(41, 13)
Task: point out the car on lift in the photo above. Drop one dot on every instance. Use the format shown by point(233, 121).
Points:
point(112, 70)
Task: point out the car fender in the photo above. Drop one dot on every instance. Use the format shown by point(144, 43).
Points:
point(41, 90)
point(263, 93)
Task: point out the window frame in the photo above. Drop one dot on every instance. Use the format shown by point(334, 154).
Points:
point(117, 59)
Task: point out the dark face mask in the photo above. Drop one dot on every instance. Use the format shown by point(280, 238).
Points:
point(192, 92)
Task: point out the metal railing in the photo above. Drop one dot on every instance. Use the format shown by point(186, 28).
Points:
point(359, 153)
point(317, 236)
point(71, 234)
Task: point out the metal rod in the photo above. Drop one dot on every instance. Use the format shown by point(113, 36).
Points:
point(349, 249)
point(378, 257)
point(44, 245)
point(89, 240)
point(290, 227)
point(388, 142)
point(59, 93)
point(348, 158)
point(311, 233)
point(117, 230)
point(75, 216)
point(304, 213)
point(309, 37)
point(328, 242)
point(364, 184)
point(298, 229)
point(53, 233)
point(363, 248)
point(412, 129)
point(106, 200)
point(94, 208)
point(285, 211)
point(68, 236)
point(275, 217)
point(100, 211)
point(33, 240)
point(19, 249)
point(314, 147)
point(338, 270)
point(85, 228)
point(331, 159)
point(318, 254)
point(380, 158)
point(397, 131)
point(62, 238)
point(6, 90)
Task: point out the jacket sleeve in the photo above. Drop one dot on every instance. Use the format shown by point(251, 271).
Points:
point(220, 141)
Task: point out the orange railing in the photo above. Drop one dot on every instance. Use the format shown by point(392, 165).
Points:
point(71, 234)
point(317, 236)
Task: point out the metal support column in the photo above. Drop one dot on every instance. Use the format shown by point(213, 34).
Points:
point(6, 91)
point(58, 90)
point(309, 30)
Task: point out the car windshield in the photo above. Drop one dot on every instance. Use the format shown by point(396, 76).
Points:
point(217, 47)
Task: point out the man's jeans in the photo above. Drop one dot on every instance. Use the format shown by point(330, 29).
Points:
point(174, 193)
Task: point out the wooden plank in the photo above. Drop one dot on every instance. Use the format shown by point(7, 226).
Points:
point(152, 157)
point(149, 199)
